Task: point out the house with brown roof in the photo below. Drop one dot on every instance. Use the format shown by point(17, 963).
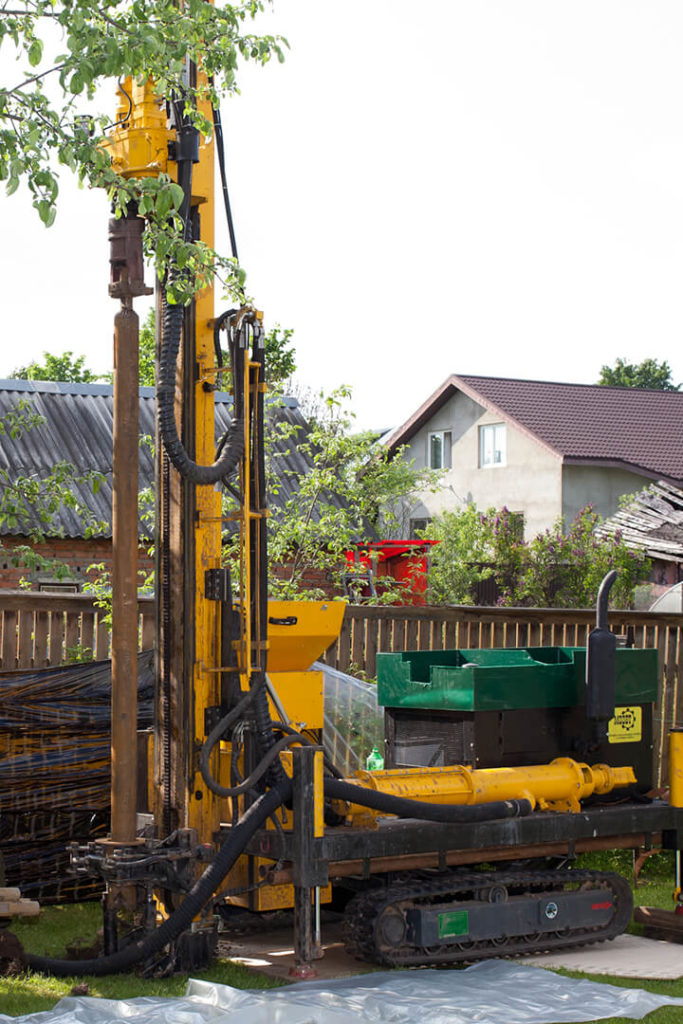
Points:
point(541, 449)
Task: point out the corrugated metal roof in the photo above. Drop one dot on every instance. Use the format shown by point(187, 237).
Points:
point(636, 428)
point(78, 428)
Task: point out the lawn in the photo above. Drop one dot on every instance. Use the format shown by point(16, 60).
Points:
point(59, 926)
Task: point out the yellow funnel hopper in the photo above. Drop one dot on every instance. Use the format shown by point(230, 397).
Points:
point(300, 631)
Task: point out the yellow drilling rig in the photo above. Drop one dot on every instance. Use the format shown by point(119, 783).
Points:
point(500, 765)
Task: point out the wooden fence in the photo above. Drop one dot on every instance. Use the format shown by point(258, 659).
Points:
point(42, 630)
point(367, 630)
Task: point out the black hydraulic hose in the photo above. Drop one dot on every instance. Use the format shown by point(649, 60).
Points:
point(218, 731)
point(233, 846)
point(220, 150)
point(181, 919)
point(404, 808)
point(255, 776)
point(233, 448)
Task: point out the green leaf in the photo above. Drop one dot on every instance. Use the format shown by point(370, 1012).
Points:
point(47, 212)
point(35, 53)
point(164, 203)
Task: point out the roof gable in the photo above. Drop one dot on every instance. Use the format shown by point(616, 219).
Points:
point(639, 429)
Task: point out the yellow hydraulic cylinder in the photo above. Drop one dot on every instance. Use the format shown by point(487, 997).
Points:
point(676, 800)
point(558, 786)
point(676, 767)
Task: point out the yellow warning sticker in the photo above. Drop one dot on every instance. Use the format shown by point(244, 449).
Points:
point(626, 726)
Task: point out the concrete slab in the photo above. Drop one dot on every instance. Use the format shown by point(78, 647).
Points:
point(272, 953)
point(627, 956)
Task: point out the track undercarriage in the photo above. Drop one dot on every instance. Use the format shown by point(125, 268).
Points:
point(458, 917)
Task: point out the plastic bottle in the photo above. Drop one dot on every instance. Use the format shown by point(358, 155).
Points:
point(375, 761)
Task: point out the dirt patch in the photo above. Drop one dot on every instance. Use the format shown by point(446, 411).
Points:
point(12, 956)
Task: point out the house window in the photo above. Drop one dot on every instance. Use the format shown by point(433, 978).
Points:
point(59, 587)
point(418, 524)
point(492, 444)
point(439, 449)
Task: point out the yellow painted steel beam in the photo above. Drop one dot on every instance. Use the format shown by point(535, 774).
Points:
point(204, 813)
point(558, 786)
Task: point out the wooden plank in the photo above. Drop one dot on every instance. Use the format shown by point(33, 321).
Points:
point(498, 631)
point(358, 644)
point(344, 648)
point(371, 635)
point(72, 636)
point(40, 638)
point(101, 637)
point(411, 635)
point(56, 654)
point(534, 634)
point(449, 635)
point(148, 631)
point(385, 635)
point(25, 659)
point(439, 638)
point(10, 622)
point(88, 632)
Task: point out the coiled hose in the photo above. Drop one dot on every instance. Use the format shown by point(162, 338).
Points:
point(232, 449)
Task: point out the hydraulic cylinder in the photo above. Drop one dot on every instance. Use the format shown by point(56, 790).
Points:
point(558, 786)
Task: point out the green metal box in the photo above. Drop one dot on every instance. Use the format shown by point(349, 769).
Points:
point(503, 707)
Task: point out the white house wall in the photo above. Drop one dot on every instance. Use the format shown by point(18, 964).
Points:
point(530, 481)
point(601, 486)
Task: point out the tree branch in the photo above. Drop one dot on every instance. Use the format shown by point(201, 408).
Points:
point(35, 78)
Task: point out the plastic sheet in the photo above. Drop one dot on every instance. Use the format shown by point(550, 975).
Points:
point(494, 992)
point(353, 723)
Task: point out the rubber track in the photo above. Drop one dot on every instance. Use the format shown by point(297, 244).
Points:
point(363, 911)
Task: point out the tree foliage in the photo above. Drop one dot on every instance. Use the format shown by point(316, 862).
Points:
point(556, 569)
point(147, 364)
point(280, 355)
point(64, 49)
point(63, 367)
point(348, 488)
point(648, 374)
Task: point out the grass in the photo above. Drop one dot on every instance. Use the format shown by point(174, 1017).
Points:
point(58, 927)
point(78, 924)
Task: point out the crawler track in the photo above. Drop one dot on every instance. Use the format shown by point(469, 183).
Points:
point(378, 929)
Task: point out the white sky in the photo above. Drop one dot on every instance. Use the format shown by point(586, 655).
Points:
point(455, 186)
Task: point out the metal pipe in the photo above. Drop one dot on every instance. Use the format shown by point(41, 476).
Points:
point(124, 666)
point(317, 930)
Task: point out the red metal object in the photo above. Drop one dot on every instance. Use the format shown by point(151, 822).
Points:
point(405, 561)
